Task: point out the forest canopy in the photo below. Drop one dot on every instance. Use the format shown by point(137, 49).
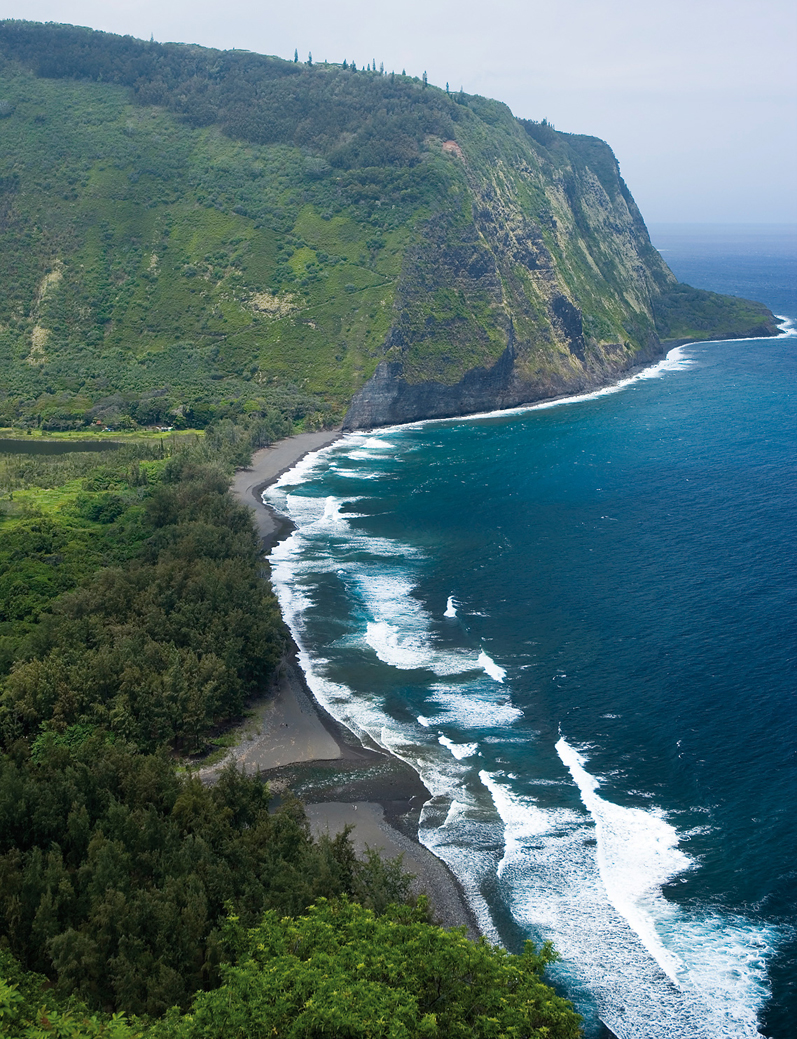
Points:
point(136, 621)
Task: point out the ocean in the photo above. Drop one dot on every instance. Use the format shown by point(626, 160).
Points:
point(577, 623)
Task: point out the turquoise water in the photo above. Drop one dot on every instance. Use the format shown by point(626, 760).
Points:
point(577, 623)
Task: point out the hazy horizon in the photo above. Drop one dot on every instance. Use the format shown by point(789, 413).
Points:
point(698, 102)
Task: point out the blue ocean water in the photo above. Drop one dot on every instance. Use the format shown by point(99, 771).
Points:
point(577, 622)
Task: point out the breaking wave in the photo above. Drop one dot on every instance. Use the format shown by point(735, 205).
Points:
point(567, 862)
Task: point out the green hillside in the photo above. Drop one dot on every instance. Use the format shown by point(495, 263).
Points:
point(188, 234)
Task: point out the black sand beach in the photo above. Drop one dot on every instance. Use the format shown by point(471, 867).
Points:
point(294, 743)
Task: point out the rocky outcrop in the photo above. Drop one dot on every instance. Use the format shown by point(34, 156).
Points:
point(551, 287)
point(389, 399)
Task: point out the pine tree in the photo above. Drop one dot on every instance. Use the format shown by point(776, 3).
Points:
point(446, 86)
point(310, 58)
point(296, 56)
point(345, 64)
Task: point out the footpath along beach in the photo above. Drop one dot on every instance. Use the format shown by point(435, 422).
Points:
point(293, 743)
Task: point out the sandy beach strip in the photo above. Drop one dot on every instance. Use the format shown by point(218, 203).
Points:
point(292, 742)
point(268, 464)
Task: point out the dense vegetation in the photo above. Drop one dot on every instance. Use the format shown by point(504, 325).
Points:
point(150, 519)
point(162, 648)
point(340, 970)
point(134, 622)
point(115, 871)
point(221, 234)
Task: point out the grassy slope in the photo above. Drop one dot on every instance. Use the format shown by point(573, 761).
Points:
point(187, 233)
point(126, 268)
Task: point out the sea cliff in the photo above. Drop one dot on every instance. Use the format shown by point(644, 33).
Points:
point(190, 235)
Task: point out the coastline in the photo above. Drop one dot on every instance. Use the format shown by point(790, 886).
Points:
point(295, 744)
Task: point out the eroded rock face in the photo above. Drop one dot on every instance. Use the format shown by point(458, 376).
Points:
point(547, 289)
point(389, 399)
point(549, 286)
point(557, 296)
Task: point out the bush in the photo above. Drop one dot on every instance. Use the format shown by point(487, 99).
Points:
point(341, 970)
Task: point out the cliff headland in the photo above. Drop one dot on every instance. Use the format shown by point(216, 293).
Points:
point(189, 235)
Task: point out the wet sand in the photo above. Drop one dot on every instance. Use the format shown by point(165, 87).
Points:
point(292, 742)
point(268, 464)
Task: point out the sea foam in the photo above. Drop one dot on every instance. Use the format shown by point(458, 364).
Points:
point(459, 750)
point(405, 651)
point(554, 886)
point(375, 444)
point(637, 854)
point(469, 708)
point(490, 667)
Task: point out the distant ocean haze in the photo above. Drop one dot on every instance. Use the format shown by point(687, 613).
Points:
point(577, 623)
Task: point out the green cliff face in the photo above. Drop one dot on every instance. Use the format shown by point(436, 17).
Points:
point(187, 234)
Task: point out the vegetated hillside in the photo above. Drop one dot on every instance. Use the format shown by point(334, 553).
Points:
point(188, 234)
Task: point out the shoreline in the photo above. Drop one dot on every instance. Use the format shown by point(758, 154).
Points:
point(294, 743)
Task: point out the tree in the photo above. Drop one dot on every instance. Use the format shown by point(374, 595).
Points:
point(424, 78)
point(310, 58)
point(341, 970)
point(296, 56)
point(115, 872)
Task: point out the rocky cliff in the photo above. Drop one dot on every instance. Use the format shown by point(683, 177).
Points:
point(571, 293)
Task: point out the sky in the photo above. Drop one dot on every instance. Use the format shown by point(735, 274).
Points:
point(698, 98)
